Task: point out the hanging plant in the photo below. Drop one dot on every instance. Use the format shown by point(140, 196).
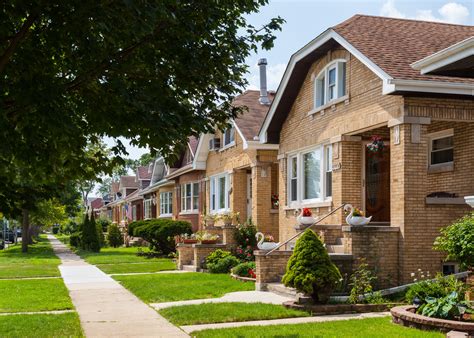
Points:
point(377, 144)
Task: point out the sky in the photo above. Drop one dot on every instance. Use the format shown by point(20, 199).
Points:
point(306, 19)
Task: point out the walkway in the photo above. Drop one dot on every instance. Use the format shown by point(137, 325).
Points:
point(301, 320)
point(104, 306)
point(240, 296)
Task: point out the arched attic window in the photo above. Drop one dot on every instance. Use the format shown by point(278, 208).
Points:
point(330, 84)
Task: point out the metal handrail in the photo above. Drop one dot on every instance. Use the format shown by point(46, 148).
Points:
point(300, 233)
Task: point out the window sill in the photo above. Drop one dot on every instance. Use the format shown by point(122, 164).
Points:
point(322, 204)
point(328, 105)
point(188, 213)
point(166, 216)
point(230, 145)
point(441, 168)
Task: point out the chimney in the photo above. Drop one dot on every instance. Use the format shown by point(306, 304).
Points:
point(262, 63)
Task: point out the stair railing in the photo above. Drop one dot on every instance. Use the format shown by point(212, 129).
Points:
point(300, 233)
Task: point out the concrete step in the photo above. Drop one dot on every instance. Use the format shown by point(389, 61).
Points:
point(192, 268)
point(333, 248)
point(282, 290)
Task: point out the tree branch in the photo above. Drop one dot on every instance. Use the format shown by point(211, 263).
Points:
point(15, 41)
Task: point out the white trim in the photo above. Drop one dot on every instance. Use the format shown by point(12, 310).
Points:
point(182, 196)
point(328, 105)
point(227, 146)
point(261, 146)
point(444, 57)
point(439, 87)
point(244, 141)
point(214, 191)
point(303, 52)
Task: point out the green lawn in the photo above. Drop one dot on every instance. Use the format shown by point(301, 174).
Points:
point(114, 256)
point(227, 312)
point(155, 288)
point(154, 265)
point(363, 328)
point(63, 238)
point(39, 261)
point(61, 325)
point(33, 295)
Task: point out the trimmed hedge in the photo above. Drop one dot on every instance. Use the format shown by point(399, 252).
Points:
point(159, 233)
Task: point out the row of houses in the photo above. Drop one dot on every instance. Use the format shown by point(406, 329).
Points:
point(376, 112)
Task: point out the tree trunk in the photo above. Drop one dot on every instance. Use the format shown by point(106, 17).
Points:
point(25, 236)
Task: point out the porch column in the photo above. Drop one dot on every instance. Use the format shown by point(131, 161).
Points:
point(408, 186)
point(261, 198)
point(238, 200)
point(347, 173)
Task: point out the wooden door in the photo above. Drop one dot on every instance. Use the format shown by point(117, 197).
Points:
point(377, 185)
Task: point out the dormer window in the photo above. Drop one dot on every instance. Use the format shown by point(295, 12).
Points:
point(228, 136)
point(330, 84)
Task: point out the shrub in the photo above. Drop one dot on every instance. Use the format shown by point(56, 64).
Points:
point(131, 227)
point(114, 236)
point(310, 269)
point(69, 227)
point(75, 239)
point(221, 261)
point(438, 288)
point(90, 237)
point(445, 307)
point(247, 243)
point(103, 223)
point(100, 235)
point(160, 233)
point(245, 269)
point(457, 240)
point(361, 282)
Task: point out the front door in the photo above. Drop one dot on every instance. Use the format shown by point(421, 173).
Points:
point(249, 196)
point(377, 184)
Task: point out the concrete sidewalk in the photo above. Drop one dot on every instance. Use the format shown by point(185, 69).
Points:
point(106, 308)
point(300, 320)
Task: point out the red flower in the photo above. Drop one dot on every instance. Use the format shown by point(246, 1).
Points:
point(252, 274)
point(307, 212)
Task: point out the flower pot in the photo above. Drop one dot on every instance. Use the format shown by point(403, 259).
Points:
point(306, 220)
point(209, 241)
point(190, 241)
point(358, 220)
point(210, 223)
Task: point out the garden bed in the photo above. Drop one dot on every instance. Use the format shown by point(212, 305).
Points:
point(406, 316)
point(336, 309)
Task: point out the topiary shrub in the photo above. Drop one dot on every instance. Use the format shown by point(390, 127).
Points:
point(160, 233)
point(90, 237)
point(114, 236)
point(221, 261)
point(457, 240)
point(100, 235)
point(75, 239)
point(103, 223)
point(246, 269)
point(310, 269)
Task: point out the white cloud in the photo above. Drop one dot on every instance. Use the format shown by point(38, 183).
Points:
point(454, 13)
point(451, 12)
point(274, 75)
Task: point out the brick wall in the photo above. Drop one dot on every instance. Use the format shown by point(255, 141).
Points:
point(185, 254)
point(194, 217)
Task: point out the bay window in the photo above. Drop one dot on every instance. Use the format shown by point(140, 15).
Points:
point(310, 176)
point(330, 84)
point(166, 203)
point(219, 193)
point(190, 197)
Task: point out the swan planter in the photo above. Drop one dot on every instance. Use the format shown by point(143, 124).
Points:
point(304, 219)
point(355, 220)
point(261, 245)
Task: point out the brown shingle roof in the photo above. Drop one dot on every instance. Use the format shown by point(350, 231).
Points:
point(97, 203)
point(143, 174)
point(114, 187)
point(394, 44)
point(251, 120)
point(128, 182)
point(193, 143)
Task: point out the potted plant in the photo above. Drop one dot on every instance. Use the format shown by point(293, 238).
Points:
point(377, 145)
point(306, 218)
point(356, 216)
point(275, 201)
point(229, 217)
point(206, 237)
point(189, 239)
point(209, 219)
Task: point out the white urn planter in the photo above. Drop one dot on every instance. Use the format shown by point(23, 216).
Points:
point(469, 200)
point(261, 245)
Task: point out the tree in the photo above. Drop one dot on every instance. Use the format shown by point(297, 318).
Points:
point(457, 240)
point(90, 238)
point(310, 269)
point(48, 213)
point(114, 236)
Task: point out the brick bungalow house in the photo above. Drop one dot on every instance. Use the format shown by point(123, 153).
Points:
point(159, 193)
point(409, 84)
point(188, 185)
point(127, 186)
point(241, 174)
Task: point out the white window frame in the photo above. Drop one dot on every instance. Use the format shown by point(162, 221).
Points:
point(166, 204)
point(215, 193)
point(436, 136)
point(231, 142)
point(134, 212)
point(185, 208)
point(324, 73)
point(299, 155)
point(147, 211)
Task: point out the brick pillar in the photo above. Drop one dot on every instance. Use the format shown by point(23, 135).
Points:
point(408, 179)
point(261, 199)
point(238, 198)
